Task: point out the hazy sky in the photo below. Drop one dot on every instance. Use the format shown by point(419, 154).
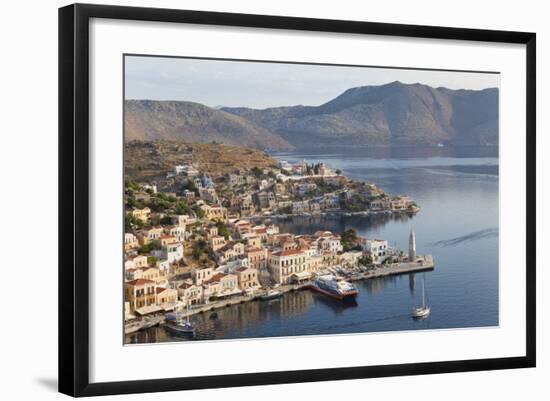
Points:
point(260, 85)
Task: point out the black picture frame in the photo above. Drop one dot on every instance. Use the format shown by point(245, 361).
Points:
point(74, 198)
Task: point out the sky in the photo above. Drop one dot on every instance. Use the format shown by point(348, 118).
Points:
point(217, 83)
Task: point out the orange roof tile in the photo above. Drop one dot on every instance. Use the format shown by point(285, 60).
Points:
point(140, 282)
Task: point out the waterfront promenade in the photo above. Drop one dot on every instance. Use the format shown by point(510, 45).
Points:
point(422, 263)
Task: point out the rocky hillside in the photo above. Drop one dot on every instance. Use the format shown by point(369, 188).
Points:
point(175, 120)
point(146, 160)
point(386, 115)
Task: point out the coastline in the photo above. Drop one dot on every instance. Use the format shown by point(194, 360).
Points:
point(335, 213)
point(423, 263)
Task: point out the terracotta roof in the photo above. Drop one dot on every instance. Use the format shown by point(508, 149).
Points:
point(253, 249)
point(217, 277)
point(160, 289)
point(288, 252)
point(227, 246)
point(140, 281)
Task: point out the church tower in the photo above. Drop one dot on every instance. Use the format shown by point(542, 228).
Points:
point(412, 247)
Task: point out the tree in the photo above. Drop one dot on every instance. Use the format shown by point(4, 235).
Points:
point(130, 186)
point(348, 239)
point(365, 260)
point(197, 253)
point(256, 171)
point(223, 230)
point(199, 212)
point(182, 207)
point(338, 171)
point(147, 248)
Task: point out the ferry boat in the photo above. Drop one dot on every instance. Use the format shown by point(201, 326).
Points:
point(335, 288)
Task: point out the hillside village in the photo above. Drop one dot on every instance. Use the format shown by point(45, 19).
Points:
point(192, 238)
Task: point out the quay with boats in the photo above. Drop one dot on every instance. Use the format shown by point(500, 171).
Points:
point(337, 285)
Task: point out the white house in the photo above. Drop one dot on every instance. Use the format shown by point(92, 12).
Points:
point(377, 249)
point(171, 252)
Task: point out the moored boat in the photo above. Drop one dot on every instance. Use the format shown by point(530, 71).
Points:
point(271, 294)
point(178, 325)
point(132, 327)
point(335, 288)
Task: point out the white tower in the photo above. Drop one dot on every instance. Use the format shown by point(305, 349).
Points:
point(412, 247)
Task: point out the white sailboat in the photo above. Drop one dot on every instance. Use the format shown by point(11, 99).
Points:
point(424, 310)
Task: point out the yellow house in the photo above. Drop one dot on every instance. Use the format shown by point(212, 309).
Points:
point(230, 251)
point(202, 274)
point(217, 242)
point(214, 212)
point(151, 234)
point(130, 242)
point(257, 257)
point(140, 292)
point(135, 262)
point(190, 293)
point(247, 277)
point(166, 296)
point(153, 274)
point(286, 263)
point(141, 214)
point(254, 241)
point(224, 284)
point(167, 240)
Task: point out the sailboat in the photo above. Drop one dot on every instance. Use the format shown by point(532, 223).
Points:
point(423, 311)
point(177, 325)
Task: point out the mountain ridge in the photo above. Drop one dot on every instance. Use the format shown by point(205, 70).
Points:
point(387, 115)
point(191, 121)
point(394, 114)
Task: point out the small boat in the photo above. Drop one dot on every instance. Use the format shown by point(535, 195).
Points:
point(424, 310)
point(132, 327)
point(151, 321)
point(177, 325)
point(271, 294)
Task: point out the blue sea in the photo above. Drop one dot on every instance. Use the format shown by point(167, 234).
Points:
point(457, 190)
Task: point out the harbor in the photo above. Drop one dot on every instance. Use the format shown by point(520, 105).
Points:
point(389, 291)
point(421, 264)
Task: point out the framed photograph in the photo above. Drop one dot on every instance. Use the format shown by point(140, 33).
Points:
point(250, 199)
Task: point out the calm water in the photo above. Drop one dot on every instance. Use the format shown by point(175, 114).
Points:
point(457, 190)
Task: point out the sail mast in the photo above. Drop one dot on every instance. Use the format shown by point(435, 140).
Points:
point(423, 293)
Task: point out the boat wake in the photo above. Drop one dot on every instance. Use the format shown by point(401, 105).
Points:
point(477, 235)
point(362, 323)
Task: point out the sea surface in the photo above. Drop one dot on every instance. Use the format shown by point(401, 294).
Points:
point(457, 190)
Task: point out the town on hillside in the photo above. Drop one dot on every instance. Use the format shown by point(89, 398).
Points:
point(199, 241)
